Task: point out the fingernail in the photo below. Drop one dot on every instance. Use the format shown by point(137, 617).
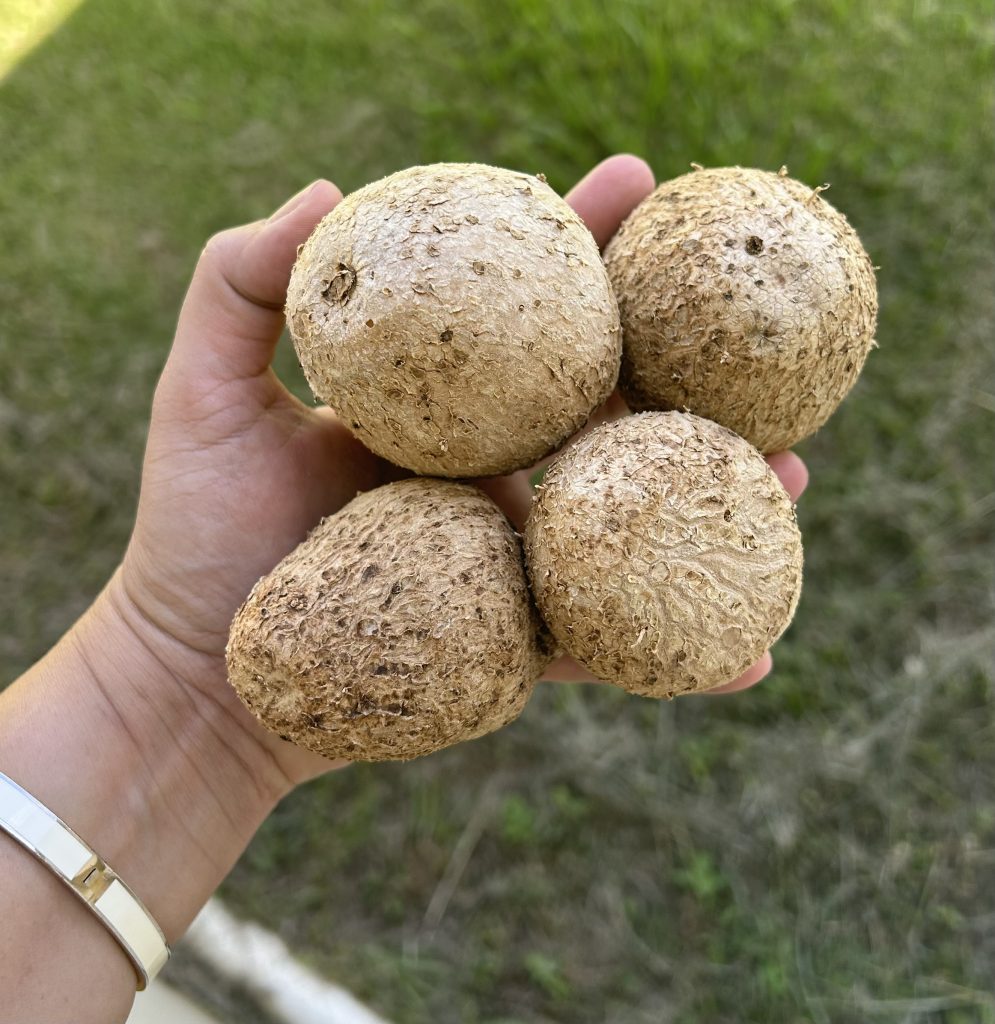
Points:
point(291, 204)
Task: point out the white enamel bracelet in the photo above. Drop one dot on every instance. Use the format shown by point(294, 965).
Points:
point(54, 843)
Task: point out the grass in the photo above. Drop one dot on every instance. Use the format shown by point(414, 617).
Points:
point(821, 849)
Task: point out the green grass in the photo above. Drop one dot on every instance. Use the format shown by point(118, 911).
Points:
point(818, 850)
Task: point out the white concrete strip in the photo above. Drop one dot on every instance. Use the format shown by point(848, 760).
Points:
point(159, 1004)
point(262, 964)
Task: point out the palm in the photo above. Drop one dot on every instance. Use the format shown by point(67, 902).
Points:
point(257, 470)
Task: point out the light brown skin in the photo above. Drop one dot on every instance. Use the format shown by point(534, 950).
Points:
point(402, 625)
point(664, 553)
point(745, 298)
point(457, 317)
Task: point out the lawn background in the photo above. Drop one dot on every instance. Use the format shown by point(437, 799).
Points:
point(821, 849)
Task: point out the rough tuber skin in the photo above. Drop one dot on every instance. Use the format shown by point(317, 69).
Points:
point(401, 625)
point(744, 298)
point(664, 553)
point(458, 317)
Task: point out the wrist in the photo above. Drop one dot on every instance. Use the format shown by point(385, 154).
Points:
point(190, 644)
point(123, 738)
point(172, 682)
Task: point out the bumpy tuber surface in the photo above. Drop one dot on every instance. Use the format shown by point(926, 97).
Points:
point(458, 317)
point(664, 553)
point(403, 624)
point(745, 298)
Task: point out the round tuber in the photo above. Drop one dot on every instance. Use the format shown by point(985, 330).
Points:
point(664, 553)
point(401, 625)
point(457, 317)
point(744, 298)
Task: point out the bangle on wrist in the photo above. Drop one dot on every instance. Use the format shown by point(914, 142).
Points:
point(56, 845)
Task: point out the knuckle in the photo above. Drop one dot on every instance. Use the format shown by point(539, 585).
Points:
point(216, 248)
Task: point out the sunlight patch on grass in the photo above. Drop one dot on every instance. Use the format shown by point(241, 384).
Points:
point(25, 23)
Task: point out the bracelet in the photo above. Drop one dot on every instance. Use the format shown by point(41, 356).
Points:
point(55, 844)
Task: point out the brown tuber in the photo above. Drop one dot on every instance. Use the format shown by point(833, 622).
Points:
point(401, 625)
point(745, 298)
point(458, 317)
point(664, 553)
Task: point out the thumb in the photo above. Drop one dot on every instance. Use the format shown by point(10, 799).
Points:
point(233, 312)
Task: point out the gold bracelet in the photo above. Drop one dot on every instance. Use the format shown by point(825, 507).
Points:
point(55, 844)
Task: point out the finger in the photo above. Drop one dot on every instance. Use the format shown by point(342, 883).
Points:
point(566, 670)
point(610, 192)
point(350, 460)
point(791, 471)
point(749, 678)
point(233, 312)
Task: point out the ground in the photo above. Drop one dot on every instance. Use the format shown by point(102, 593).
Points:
point(820, 849)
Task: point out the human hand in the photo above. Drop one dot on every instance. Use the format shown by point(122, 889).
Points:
point(237, 469)
point(158, 764)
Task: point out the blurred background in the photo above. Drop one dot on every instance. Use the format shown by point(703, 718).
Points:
point(819, 849)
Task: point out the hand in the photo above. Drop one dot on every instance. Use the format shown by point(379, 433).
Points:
point(158, 764)
point(237, 470)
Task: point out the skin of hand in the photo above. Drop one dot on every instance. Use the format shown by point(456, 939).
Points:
point(237, 469)
point(128, 728)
